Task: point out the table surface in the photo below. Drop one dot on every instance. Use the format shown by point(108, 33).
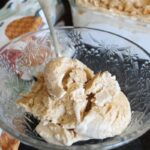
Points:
point(142, 143)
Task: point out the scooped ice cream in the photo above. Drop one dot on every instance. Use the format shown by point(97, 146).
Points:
point(73, 104)
point(60, 73)
point(55, 134)
point(108, 120)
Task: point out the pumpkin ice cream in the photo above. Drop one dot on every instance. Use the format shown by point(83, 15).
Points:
point(73, 104)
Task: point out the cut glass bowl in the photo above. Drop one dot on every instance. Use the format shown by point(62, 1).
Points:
point(100, 50)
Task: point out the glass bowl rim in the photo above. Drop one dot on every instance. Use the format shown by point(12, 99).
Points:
point(74, 27)
point(35, 143)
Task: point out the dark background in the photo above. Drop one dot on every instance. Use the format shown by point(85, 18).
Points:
point(142, 143)
point(2, 2)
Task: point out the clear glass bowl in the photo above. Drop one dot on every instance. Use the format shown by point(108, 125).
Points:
point(98, 49)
